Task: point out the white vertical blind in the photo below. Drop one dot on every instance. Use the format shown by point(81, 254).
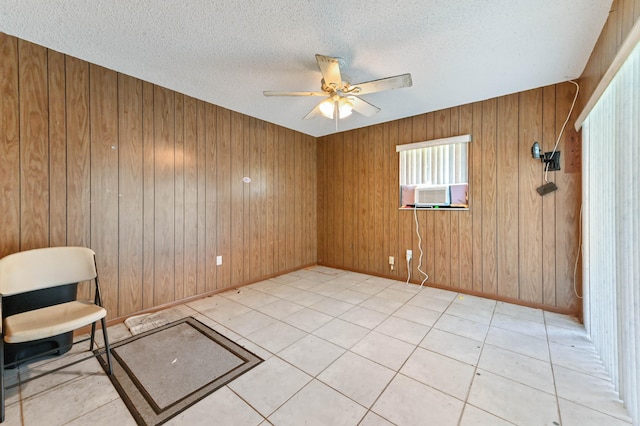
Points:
point(434, 165)
point(611, 206)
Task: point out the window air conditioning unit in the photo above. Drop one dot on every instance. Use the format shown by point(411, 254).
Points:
point(436, 195)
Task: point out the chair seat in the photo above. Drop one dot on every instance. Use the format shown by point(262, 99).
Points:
point(51, 321)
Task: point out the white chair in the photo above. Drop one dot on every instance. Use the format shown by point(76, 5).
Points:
point(45, 268)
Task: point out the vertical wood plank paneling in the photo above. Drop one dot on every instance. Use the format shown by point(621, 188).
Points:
point(78, 157)
point(270, 202)
point(248, 270)
point(425, 225)
point(370, 219)
point(256, 201)
point(78, 153)
point(466, 235)
point(237, 198)
point(379, 257)
point(261, 169)
point(379, 204)
point(428, 229)
point(617, 7)
point(262, 196)
point(262, 189)
point(34, 146)
point(627, 18)
point(164, 170)
point(442, 222)
point(350, 190)
point(223, 181)
point(329, 204)
point(150, 179)
point(201, 165)
point(567, 206)
point(297, 197)
point(507, 151)
point(131, 195)
point(454, 217)
point(338, 202)
point(477, 250)
point(9, 146)
point(190, 197)
point(621, 18)
point(179, 206)
point(310, 203)
point(489, 218)
point(475, 196)
point(405, 218)
point(384, 201)
point(148, 200)
point(211, 188)
point(392, 202)
point(320, 234)
point(530, 202)
point(282, 196)
point(104, 180)
point(548, 201)
point(364, 226)
point(57, 149)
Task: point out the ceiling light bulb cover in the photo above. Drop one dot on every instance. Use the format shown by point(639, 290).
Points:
point(345, 107)
point(326, 108)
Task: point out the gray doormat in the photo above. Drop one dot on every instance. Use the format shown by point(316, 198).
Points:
point(162, 372)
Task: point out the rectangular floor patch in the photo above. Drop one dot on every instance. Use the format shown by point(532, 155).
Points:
point(162, 372)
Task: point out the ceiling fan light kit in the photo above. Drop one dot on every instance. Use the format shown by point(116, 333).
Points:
point(341, 95)
point(343, 105)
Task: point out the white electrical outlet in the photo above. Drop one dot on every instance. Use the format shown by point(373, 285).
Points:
point(409, 255)
point(218, 260)
point(392, 261)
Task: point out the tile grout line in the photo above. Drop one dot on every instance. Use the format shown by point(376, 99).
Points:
point(553, 372)
point(476, 373)
point(397, 372)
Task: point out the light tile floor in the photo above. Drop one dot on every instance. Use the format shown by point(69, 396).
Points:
point(342, 348)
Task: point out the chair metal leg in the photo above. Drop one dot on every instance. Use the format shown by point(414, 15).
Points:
point(93, 335)
point(1, 378)
point(106, 343)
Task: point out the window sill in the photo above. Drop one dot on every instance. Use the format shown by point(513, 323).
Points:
point(448, 208)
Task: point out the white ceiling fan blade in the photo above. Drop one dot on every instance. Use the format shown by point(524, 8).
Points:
point(314, 112)
point(272, 93)
point(330, 68)
point(363, 107)
point(389, 83)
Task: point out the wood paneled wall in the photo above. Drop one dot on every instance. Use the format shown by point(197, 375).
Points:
point(622, 17)
point(512, 243)
point(149, 178)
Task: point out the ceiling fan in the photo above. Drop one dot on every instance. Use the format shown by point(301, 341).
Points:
point(341, 96)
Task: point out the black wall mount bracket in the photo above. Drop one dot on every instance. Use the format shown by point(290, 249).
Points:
point(552, 159)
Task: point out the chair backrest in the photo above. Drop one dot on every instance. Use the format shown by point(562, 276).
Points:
point(46, 267)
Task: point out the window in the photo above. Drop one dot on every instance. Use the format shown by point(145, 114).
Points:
point(435, 173)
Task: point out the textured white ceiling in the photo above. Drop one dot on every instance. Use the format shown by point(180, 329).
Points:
point(228, 52)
